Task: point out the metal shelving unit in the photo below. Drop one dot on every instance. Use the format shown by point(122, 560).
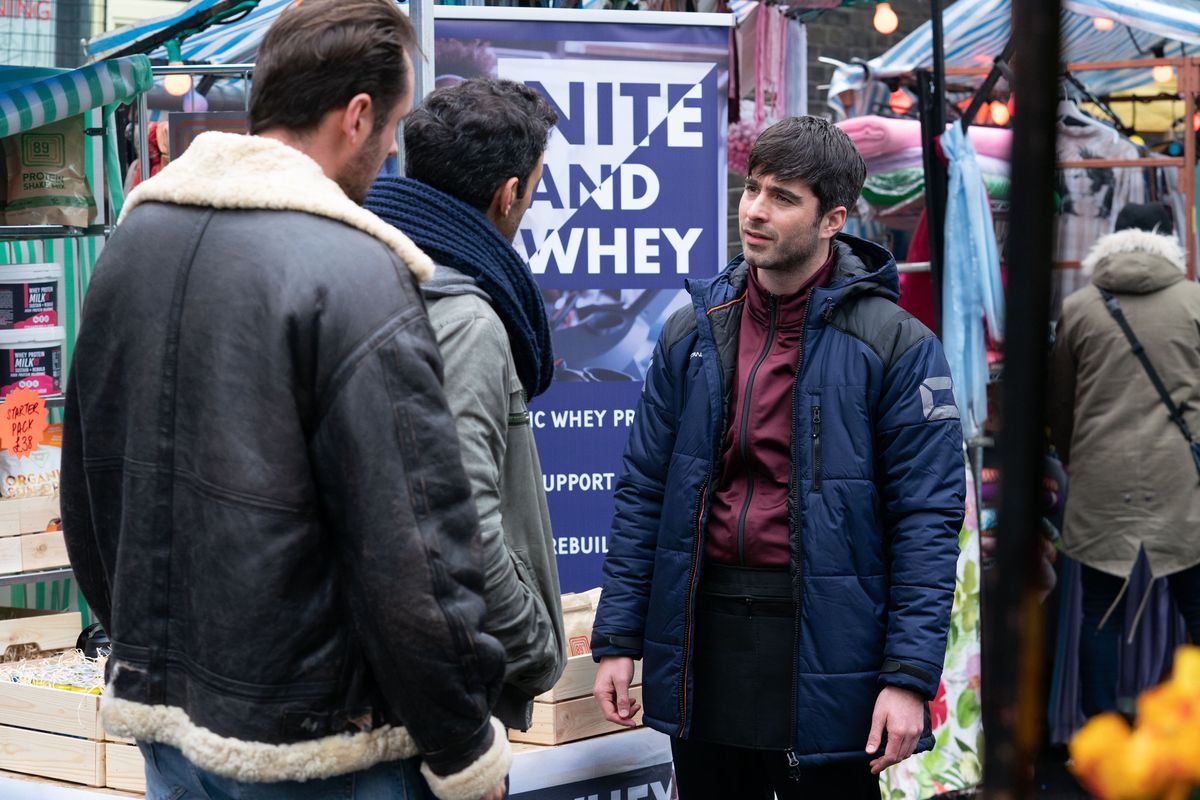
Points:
point(20, 578)
point(16, 233)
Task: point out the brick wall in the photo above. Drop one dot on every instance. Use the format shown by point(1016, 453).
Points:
point(847, 32)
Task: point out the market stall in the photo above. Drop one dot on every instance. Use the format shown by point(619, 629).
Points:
point(1104, 161)
point(61, 196)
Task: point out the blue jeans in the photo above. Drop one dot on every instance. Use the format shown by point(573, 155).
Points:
point(170, 776)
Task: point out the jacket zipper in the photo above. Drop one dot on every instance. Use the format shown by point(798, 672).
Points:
point(798, 550)
point(745, 425)
point(689, 603)
point(816, 437)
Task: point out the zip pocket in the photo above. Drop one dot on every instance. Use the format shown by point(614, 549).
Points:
point(816, 448)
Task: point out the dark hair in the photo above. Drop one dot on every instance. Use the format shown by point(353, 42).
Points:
point(815, 151)
point(467, 140)
point(319, 54)
point(1153, 217)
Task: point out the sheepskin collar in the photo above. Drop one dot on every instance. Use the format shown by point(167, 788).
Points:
point(1135, 261)
point(230, 171)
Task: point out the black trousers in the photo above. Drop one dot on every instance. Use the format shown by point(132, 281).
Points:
point(706, 771)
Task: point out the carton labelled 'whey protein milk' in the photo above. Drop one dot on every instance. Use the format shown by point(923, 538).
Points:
point(31, 358)
point(30, 295)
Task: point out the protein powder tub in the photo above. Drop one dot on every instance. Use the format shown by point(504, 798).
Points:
point(31, 358)
point(30, 295)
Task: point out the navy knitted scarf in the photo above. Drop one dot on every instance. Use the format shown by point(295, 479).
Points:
point(456, 235)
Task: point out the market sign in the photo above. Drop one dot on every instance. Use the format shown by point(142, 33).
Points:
point(28, 33)
point(632, 202)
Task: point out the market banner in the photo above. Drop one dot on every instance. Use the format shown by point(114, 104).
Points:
point(630, 765)
point(632, 203)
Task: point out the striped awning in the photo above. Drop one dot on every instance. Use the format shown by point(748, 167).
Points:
point(113, 41)
point(976, 31)
point(232, 43)
point(32, 98)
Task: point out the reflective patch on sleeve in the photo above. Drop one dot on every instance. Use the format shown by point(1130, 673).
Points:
point(937, 399)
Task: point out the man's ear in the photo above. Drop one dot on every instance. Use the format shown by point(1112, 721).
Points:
point(833, 222)
point(357, 118)
point(504, 198)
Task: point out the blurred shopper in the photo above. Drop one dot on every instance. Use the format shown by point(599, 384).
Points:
point(158, 141)
point(262, 492)
point(474, 156)
point(1134, 473)
point(786, 534)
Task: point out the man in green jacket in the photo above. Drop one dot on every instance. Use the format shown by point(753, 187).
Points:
point(474, 154)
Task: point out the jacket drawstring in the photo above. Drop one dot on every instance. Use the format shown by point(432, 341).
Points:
point(1115, 602)
point(1141, 607)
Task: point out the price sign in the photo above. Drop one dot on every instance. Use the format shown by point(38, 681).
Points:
point(22, 422)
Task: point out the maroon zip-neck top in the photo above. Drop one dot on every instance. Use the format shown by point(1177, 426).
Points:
point(748, 519)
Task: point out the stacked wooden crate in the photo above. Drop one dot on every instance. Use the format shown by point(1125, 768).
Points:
point(56, 733)
point(568, 711)
point(30, 536)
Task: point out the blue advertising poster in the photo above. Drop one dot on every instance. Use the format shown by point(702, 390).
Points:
point(632, 203)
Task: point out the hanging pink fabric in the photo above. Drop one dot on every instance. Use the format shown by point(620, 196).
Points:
point(770, 81)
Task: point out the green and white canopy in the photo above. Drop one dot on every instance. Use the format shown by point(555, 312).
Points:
point(32, 97)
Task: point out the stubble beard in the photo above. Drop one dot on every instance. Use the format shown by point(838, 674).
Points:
point(360, 172)
point(785, 256)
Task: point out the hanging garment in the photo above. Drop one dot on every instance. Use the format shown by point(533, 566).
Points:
point(1092, 196)
point(972, 290)
point(796, 84)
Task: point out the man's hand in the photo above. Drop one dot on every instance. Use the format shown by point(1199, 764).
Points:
point(499, 793)
point(902, 714)
point(612, 690)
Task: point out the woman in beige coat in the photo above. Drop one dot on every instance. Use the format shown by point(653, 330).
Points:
point(1134, 485)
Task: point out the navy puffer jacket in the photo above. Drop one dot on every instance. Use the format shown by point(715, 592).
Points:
point(874, 541)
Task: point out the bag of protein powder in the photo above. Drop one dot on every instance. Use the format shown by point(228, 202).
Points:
point(46, 180)
point(35, 474)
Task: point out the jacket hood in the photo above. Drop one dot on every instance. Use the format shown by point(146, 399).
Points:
point(232, 171)
point(449, 282)
point(1135, 262)
point(860, 267)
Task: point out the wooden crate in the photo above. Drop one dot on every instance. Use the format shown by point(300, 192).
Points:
point(28, 514)
point(44, 708)
point(578, 678)
point(52, 733)
point(566, 721)
point(47, 630)
point(32, 552)
point(124, 768)
point(50, 755)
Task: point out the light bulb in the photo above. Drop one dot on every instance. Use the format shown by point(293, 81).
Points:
point(886, 20)
point(177, 85)
point(1000, 114)
point(1163, 73)
point(1138, 140)
point(899, 102)
point(1102, 23)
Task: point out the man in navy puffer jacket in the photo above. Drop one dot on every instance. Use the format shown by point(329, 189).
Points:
point(786, 531)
